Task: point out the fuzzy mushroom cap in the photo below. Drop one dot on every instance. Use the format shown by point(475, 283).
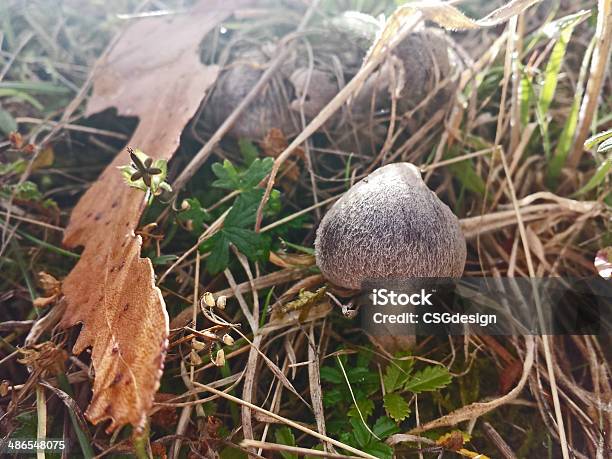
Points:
point(389, 226)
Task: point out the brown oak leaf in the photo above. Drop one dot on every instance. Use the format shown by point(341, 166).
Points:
point(153, 71)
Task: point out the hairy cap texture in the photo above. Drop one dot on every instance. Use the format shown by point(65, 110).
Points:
point(389, 225)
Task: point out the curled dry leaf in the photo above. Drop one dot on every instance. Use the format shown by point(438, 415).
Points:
point(445, 15)
point(111, 290)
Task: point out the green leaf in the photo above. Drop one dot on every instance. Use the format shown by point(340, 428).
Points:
point(466, 174)
point(7, 122)
point(256, 172)
point(600, 174)
point(227, 174)
point(284, 436)
point(565, 28)
point(569, 129)
point(229, 177)
point(384, 427)
point(429, 379)
point(218, 259)
point(380, 450)
point(15, 167)
point(332, 375)
point(396, 374)
point(244, 210)
point(195, 214)
point(246, 241)
point(396, 406)
point(360, 433)
point(39, 87)
point(366, 406)
point(248, 150)
point(332, 397)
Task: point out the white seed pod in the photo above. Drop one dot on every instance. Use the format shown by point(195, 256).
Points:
point(220, 358)
point(228, 340)
point(221, 301)
point(389, 225)
point(195, 358)
point(197, 345)
point(209, 299)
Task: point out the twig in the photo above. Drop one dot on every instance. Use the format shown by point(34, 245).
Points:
point(498, 441)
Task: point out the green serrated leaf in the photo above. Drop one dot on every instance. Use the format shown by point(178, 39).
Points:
point(384, 427)
point(229, 177)
point(248, 150)
point(429, 379)
point(396, 406)
point(246, 240)
point(7, 122)
point(360, 432)
point(244, 210)
point(218, 259)
point(256, 172)
point(332, 375)
point(366, 406)
point(285, 436)
point(396, 374)
point(332, 397)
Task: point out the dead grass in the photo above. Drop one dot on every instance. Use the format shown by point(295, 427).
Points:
point(488, 154)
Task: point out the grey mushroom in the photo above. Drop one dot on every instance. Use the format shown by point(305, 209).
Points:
point(389, 225)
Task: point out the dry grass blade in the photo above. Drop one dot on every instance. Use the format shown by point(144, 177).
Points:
point(445, 15)
point(475, 410)
point(289, 422)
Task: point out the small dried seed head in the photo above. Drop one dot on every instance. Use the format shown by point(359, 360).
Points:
point(197, 345)
point(209, 299)
point(210, 335)
point(221, 302)
point(220, 358)
point(195, 358)
point(228, 340)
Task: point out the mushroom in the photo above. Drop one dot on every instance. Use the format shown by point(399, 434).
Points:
point(389, 225)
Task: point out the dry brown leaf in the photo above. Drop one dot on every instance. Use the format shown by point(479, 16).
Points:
point(112, 290)
point(273, 144)
point(445, 15)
